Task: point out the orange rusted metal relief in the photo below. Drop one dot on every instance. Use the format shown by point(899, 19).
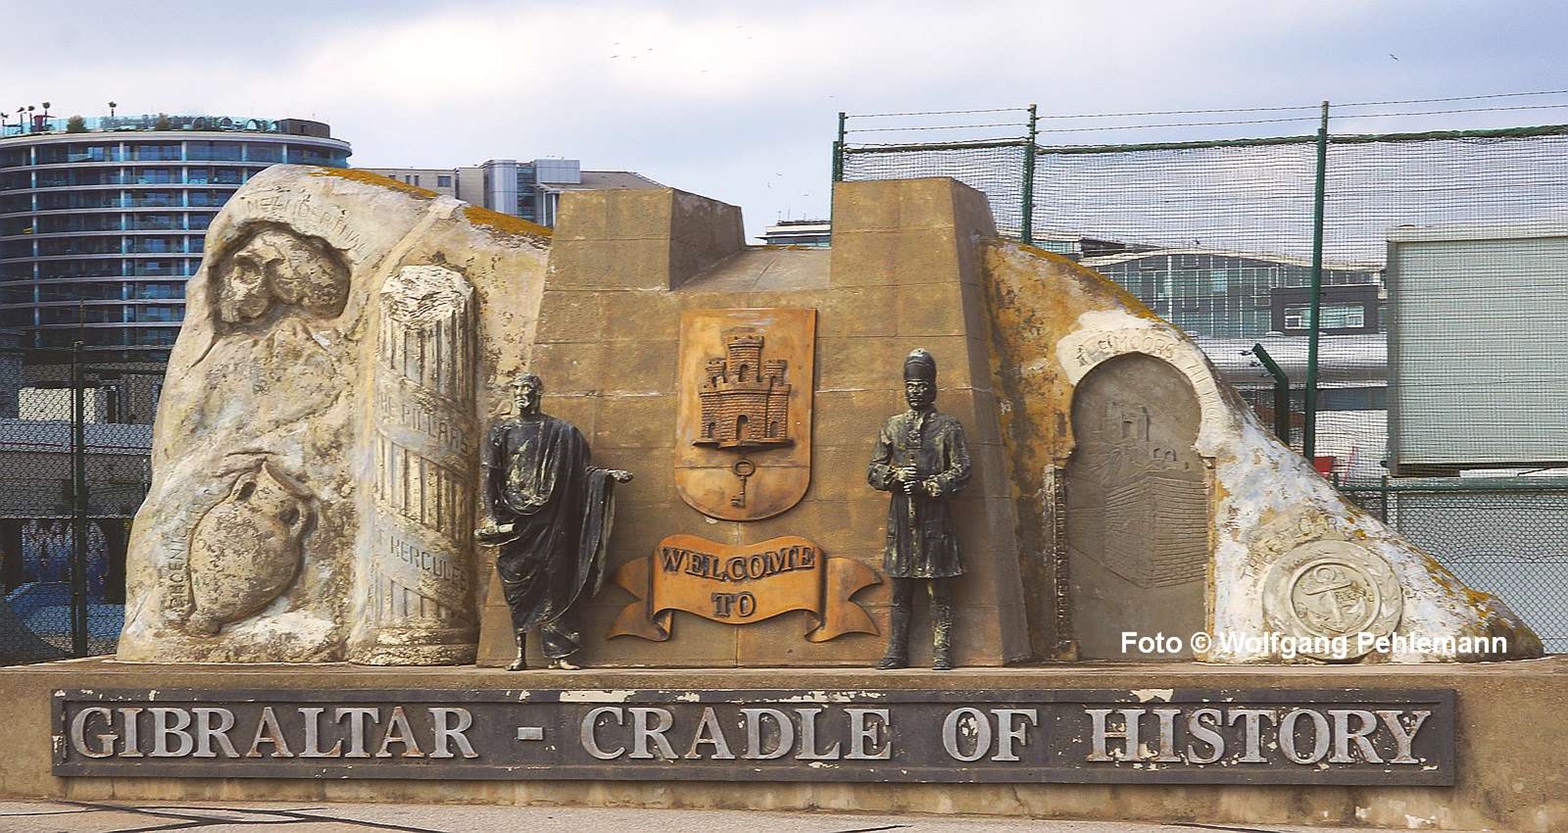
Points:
point(738, 585)
point(743, 424)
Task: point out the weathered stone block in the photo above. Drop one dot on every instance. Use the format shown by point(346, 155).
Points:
point(1176, 496)
point(296, 374)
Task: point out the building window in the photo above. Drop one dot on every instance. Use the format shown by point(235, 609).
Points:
point(443, 181)
point(263, 153)
point(1335, 316)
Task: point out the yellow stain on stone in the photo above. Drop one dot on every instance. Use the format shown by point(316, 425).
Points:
point(358, 175)
point(505, 223)
point(1093, 283)
point(1036, 297)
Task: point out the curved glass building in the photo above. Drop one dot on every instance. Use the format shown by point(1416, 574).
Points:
point(103, 220)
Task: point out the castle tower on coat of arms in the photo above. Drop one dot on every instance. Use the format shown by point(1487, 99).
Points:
point(745, 399)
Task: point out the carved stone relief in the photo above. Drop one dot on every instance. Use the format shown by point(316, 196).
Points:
point(745, 398)
point(329, 366)
point(276, 268)
point(420, 557)
point(1333, 589)
point(743, 432)
point(1137, 506)
point(243, 521)
point(266, 515)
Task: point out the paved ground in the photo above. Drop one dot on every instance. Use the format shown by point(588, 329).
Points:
point(115, 817)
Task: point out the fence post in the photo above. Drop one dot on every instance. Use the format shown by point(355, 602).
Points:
point(1281, 393)
point(838, 150)
point(1309, 432)
point(78, 505)
point(1026, 226)
point(838, 169)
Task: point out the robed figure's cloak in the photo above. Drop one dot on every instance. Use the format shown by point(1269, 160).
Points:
point(921, 540)
point(560, 507)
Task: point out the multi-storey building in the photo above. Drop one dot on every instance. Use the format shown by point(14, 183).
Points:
point(1239, 295)
point(103, 220)
point(530, 190)
point(814, 233)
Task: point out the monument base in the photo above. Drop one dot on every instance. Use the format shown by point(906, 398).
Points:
point(1509, 768)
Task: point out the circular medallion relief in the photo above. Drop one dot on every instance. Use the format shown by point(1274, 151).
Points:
point(1332, 589)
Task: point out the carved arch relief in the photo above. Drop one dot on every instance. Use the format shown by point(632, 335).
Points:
point(1137, 506)
point(1121, 334)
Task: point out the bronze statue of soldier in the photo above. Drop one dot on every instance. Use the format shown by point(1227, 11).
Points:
point(921, 458)
point(548, 510)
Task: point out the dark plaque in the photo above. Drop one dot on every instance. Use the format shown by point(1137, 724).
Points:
point(1403, 737)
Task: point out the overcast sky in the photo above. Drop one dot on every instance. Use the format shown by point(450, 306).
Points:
point(738, 101)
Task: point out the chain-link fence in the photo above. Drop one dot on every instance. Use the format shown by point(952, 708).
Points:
point(1387, 302)
point(1247, 242)
point(1507, 537)
point(74, 466)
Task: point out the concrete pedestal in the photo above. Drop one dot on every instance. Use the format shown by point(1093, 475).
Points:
point(1511, 763)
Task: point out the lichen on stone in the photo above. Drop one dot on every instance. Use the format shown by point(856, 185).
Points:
point(360, 175)
point(505, 223)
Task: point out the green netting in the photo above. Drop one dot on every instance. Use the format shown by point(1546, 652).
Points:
point(1444, 272)
point(1504, 541)
point(1218, 238)
point(1226, 199)
point(993, 169)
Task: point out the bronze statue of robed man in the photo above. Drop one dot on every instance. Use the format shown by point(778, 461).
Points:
point(548, 509)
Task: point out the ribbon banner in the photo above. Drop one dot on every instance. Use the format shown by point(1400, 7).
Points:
point(738, 585)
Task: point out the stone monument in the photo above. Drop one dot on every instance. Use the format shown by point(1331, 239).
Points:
point(318, 477)
point(315, 462)
point(319, 474)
